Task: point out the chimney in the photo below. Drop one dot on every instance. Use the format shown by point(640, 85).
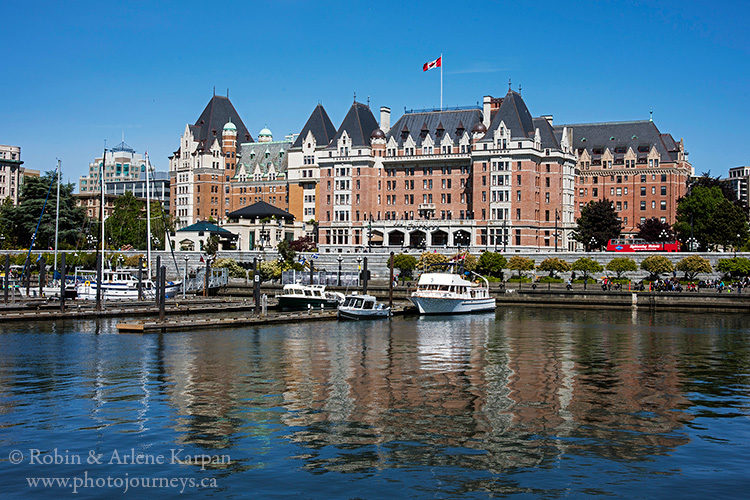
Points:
point(548, 118)
point(385, 118)
point(486, 110)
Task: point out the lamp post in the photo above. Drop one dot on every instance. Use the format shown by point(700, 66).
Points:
point(339, 258)
point(663, 237)
point(184, 281)
point(737, 245)
point(359, 270)
point(592, 242)
point(692, 243)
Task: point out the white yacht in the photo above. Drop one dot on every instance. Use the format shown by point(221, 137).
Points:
point(362, 307)
point(123, 285)
point(296, 297)
point(449, 293)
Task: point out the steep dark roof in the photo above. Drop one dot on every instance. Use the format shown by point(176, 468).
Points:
point(321, 127)
point(358, 124)
point(260, 209)
point(635, 134)
point(205, 227)
point(431, 121)
point(514, 113)
point(547, 133)
point(218, 112)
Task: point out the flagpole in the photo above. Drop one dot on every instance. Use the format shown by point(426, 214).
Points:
point(441, 81)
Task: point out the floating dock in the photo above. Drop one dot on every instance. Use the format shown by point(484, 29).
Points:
point(180, 324)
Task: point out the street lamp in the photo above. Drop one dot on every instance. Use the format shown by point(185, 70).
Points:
point(663, 237)
point(359, 270)
point(339, 258)
point(592, 242)
point(737, 245)
point(184, 281)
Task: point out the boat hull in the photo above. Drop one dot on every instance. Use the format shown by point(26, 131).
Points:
point(300, 303)
point(446, 305)
point(356, 314)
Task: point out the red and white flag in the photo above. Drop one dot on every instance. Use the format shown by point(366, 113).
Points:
point(433, 64)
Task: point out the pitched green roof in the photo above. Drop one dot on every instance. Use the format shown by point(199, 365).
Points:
point(205, 227)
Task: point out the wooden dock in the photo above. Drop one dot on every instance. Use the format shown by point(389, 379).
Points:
point(39, 311)
point(180, 324)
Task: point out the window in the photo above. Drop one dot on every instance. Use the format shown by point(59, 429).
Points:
point(518, 195)
point(518, 214)
point(643, 207)
point(643, 178)
point(664, 177)
point(663, 205)
point(518, 180)
point(664, 190)
point(643, 190)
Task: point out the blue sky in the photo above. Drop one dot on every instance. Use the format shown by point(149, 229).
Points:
point(77, 73)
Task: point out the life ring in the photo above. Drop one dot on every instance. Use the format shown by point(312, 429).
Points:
point(88, 283)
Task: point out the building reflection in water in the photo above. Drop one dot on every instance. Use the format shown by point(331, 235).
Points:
point(521, 389)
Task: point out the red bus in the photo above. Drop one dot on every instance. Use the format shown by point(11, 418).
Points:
point(637, 245)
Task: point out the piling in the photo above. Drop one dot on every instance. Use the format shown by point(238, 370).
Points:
point(7, 278)
point(365, 276)
point(256, 285)
point(156, 284)
point(162, 291)
point(62, 282)
point(140, 278)
point(42, 275)
point(205, 278)
point(390, 282)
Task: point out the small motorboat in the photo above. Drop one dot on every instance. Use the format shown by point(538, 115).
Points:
point(362, 307)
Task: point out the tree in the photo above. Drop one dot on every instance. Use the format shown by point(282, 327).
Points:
point(622, 265)
point(286, 252)
point(736, 267)
point(405, 263)
point(429, 258)
point(21, 220)
point(491, 264)
point(656, 265)
point(212, 245)
point(597, 224)
point(303, 244)
point(553, 265)
point(126, 223)
point(693, 265)
point(654, 229)
point(709, 217)
point(7, 238)
point(520, 264)
point(469, 261)
point(587, 266)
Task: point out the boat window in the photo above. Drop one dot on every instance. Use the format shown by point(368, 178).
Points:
point(308, 293)
point(368, 304)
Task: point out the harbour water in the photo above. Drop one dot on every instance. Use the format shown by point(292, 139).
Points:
point(527, 402)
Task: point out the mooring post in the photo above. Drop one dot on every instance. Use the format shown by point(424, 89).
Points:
point(62, 282)
point(364, 276)
point(140, 278)
point(162, 291)
point(158, 270)
point(42, 277)
point(6, 284)
point(256, 285)
point(312, 268)
point(206, 281)
point(27, 270)
point(390, 283)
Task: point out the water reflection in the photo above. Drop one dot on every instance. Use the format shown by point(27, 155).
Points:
point(526, 389)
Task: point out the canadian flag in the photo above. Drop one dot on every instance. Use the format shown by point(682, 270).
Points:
point(433, 64)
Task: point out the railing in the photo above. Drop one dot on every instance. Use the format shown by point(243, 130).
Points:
point(348, 278)
point(217, 278)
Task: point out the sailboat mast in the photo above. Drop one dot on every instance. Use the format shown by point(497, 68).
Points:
point(148, 217)
point(57, 211)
